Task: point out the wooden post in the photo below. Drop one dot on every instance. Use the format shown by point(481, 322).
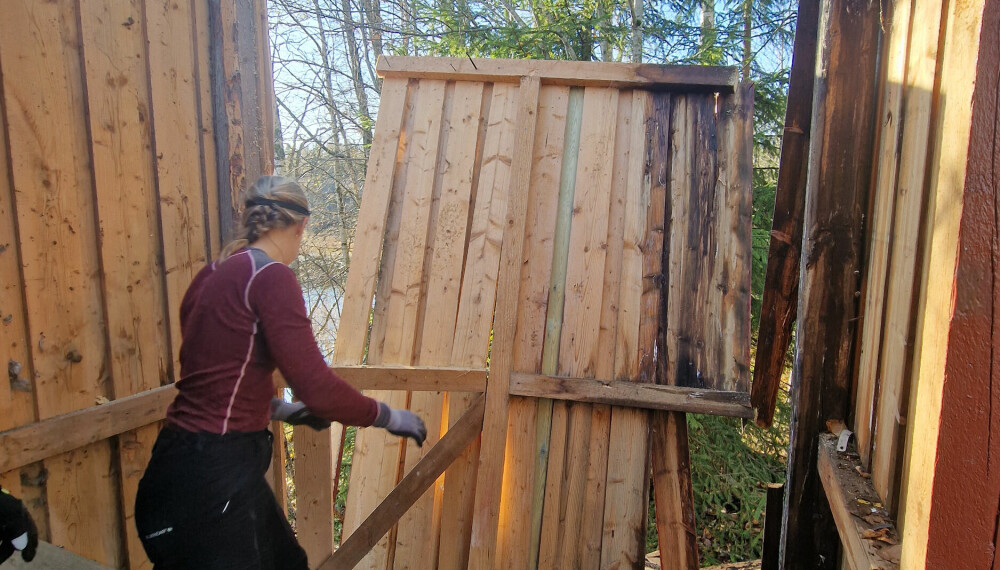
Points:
point(840, 159)
point(781, 283)
point(772, 526)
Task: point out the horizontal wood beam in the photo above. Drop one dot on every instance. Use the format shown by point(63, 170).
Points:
point(411, 488)
point(35, 442)
point(852, 497)
point(633, 395)
point(689, 78)
point(414, 379)
point(41, 440)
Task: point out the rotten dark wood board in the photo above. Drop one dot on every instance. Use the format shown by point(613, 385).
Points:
point(632, 394)
point(840, 159)
point(781, 282)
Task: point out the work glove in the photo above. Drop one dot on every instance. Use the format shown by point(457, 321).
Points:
point(296, 414)
point(403, 423)
point(17, 530)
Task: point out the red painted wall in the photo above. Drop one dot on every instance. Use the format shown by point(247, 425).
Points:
point(966, 497)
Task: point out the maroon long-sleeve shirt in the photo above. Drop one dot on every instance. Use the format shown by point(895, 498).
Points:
point(240, 318)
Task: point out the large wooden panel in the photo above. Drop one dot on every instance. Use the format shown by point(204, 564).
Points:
point(524, 230)
point(128, 217)
point(54, 195)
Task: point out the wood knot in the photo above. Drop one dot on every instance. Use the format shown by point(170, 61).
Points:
point(74, 356)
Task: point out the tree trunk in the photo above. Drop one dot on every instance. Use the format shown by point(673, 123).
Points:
point(637, 13)
point(355, 64)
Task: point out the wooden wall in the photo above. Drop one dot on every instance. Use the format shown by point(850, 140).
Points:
point(936, 140)
point(924, 120)
point(123, 127)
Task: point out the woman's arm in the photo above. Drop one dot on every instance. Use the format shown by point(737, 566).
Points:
point(276, 298)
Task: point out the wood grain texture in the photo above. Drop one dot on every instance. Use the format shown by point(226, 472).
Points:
point(128, 211)
point(373, 225)
point(209, 160)
point(672, 137)
point(884, 190)
point(66, 432)
point(959, 146)
point(896, 363)
point(486, 515)
point(470, 322)
point(708, 273)
point(404, 298)
point(54, 193)
point(410, 488)
point(17, 401)
point(416, 541)
point(17, 406)
point(579, 350)
point(551, 341)
point(845, 489)
point(177, 142)
point(781, 281)
point(575, 73)
point(625, 503)
point(520, 476)
point(632, 394)
point(836, 200)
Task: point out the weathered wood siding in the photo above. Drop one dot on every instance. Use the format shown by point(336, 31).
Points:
point(109, 193)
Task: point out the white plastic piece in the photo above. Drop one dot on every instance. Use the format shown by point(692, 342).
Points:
point(845, 436)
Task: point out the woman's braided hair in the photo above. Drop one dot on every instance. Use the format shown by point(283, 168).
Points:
point(263, 215)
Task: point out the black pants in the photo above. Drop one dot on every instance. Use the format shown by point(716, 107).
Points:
point(204, 503)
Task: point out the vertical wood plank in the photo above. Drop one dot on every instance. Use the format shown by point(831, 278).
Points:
point(443, 511)
point(54, 203)
point(206, 126)
point(952, 434)
point(911, 186)
point(454, 169)
point(17, 402)
point(781, 282)
point(369, 444)
point(881, 227)
point(677, 125)
point(318, 454)
point(129, 223)
point(177, 143)
point(515, 520)
point(227, 112)
point(487, 504)
point(546, 421)
point(694, 337)
point(624, 538)
point(367, 246)
point(840, 160)
point(579, 351)
point(405, 300)
point(475, 311)
point(592, 526)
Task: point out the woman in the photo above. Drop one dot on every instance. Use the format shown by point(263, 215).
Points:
point(204, 501)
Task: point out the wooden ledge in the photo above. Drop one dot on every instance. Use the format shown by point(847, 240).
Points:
point(869, 536)
point(679, 78)
point(632, 395)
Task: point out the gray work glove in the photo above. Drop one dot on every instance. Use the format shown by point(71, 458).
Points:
point(403, 423)
point(296, 414)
